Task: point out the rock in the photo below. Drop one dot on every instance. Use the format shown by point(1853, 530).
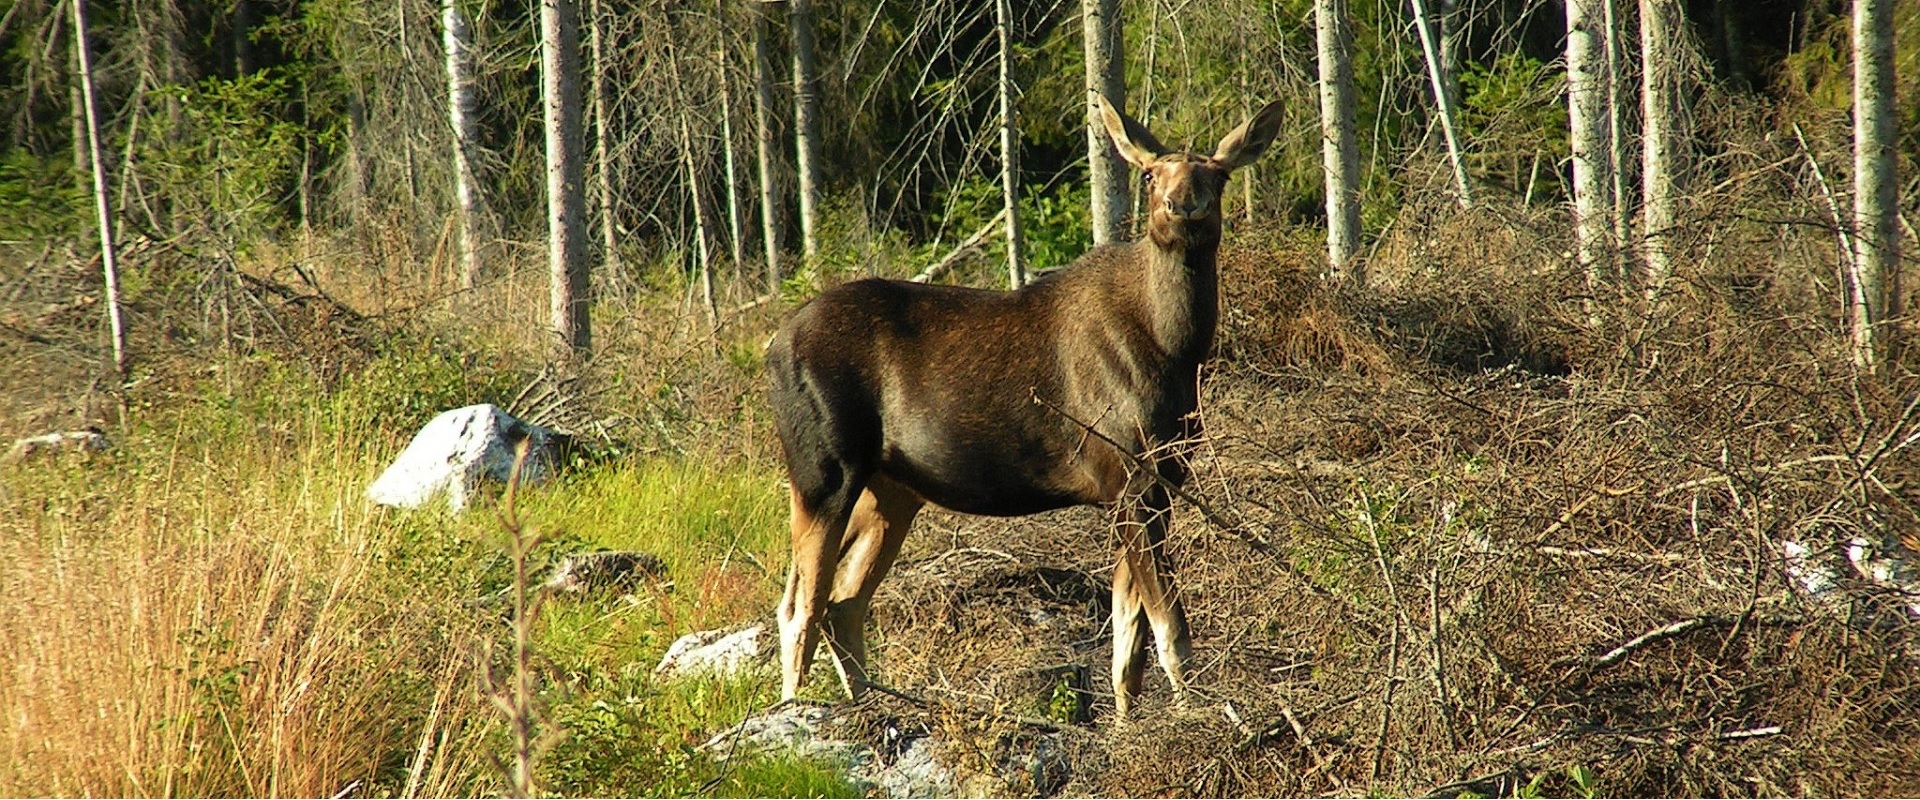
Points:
point(459, 449)
point(909, 770)
point(716, 652)
point(87, 441)
point(611, 569)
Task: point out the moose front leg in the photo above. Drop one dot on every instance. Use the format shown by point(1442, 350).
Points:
point(1144, 592)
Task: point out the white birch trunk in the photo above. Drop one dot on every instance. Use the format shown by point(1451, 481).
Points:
point(96, 158)
point(1100, 28)
point(1660, 166)
point(1009, 148)
point(806, 124)
point(735, 225)
point(462, 116)
point(1876, 240)
point(1616, 139)
point(1587, 118)
point(603, 167)
point(766, 145)
point(1442, 98)
point(1339, 150)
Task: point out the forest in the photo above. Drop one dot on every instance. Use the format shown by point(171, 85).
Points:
point(1560, 422)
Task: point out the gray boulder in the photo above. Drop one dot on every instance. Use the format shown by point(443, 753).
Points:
point(459, 450)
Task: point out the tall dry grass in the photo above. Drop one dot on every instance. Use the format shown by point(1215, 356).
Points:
point(216, 613)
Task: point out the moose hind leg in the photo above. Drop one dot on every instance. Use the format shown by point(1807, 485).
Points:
point(881, 519)
point(818, 527)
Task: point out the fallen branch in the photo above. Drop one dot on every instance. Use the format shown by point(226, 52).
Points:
point(953, 257)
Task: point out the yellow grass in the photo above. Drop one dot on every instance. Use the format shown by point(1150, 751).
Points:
point(210, 615)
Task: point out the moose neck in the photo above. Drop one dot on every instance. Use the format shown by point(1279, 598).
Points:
point(1182, 288)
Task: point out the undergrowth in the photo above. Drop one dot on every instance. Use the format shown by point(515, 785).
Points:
point(212, 608)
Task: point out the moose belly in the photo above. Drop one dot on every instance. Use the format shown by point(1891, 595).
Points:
point(989, 475)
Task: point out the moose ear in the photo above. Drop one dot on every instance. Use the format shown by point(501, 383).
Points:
point(1136, 144)
point(1246, 143)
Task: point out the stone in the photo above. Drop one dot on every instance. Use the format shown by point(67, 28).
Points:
point(607, 569)
point(87, 441)
point(717, 653)
point(459, 450)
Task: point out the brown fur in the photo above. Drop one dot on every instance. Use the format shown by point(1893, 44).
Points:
point(889, 395)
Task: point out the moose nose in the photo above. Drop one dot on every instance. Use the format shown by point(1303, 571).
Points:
point(1190, 210)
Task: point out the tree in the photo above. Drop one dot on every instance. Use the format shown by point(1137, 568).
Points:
point(1339, 150)
point(603, 166)
point(566, 217)
point(1106, 77)
point(1587, 117)
point(462, 114)
point(96, 157)
point(1442, 97)
point(1660, 166)
point(806, 124)
point(1876, 242)
point(1009, 147)
point(764, 134)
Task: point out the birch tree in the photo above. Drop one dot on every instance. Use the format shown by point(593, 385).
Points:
point(1430, 43)
point(766, 143)
point(1009, 147)
point(96, 159)
point(1339, 150)
point(463, 118)
point(603, 166)
point(1106, 76)
point(1876, 242)
point(1587, 117)
point(1661, 170)
point(566, 218)
point(806, 124)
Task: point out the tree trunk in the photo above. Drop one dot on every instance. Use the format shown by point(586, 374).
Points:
point(1660, 165)
point(806, 123)
point(603, 167)
point(1100, 30)
point(1339, 151)
point(694, 195)
point(1009, 148)
point(462, 113)
point(764, 134)
point(566, 217)
point(1876, 241)
point(1587, 117)
point(109, 265)
point(1442, 98)
point(735, 226)
point(1616, 140)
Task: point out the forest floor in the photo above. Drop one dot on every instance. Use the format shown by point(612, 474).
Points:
point(1471, 532)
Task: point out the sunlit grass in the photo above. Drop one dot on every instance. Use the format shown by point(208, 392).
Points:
point(214, 609)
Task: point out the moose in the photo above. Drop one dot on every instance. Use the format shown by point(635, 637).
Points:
point(1075, 389)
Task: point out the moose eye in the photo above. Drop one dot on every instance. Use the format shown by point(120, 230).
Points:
point(1146, 175)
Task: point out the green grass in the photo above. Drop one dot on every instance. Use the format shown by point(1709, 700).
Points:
point(237, 619)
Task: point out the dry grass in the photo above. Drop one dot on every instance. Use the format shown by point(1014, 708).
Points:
point(1450, 501)
point(212, 616)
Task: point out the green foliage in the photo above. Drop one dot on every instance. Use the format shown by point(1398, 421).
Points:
point(1511, 112)
point(413, 380)
point(231, 154)
point(40, 198)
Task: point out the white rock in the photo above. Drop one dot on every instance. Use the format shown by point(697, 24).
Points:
point(88, 441)
point(716, 652)
point(795, 730)
point(456, 451)
point(1892, 567)
point(1819, 580)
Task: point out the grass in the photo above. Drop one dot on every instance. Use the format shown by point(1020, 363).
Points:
point(213, 609)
